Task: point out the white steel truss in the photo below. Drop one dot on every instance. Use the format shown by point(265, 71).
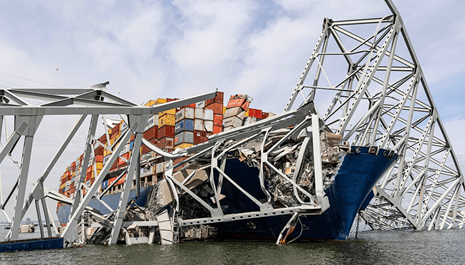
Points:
point(368, 72)
point(94, 101)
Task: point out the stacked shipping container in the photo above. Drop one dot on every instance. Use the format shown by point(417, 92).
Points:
point(175, 128)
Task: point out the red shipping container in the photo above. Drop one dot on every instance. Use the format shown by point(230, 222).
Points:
point(218, 119)
point(265, 115)
point(151, 133)
point(89, 169)
point(166, 143)
point(171, 99)
point(132, 138)
point(235, 103)
point(114, 166)
point(103, 139)
point(166, 131)
point(217, 129)
point(199, 137)
point(255, 113)
point(145, 149)
point(216, 107)
point(99, 150)
point(246, 105)
point(121, 180)
point(73, 166)
point(210, 101)
point(219, 98)
point(99, 158)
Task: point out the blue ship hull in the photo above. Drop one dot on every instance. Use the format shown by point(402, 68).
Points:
point(350, 190)
point(112, 200)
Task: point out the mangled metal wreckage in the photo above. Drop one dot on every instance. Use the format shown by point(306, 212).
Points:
point(260, 182)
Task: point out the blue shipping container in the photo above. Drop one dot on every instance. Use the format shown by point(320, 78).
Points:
point(131, 145)
point(104, 184)
point(184, 125)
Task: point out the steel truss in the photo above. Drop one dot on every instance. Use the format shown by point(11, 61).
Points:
point(373, 89)
point(368, 70)
point(95, 102)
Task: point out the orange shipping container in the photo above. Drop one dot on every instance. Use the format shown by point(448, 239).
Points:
point(235, 102)
point(217, 129)
point(216, 107)
point(218, 120)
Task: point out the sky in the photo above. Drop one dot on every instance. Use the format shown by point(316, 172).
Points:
point(152, 49)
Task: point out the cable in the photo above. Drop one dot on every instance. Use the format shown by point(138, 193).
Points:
point(11, 82)
point(28, 79)
point(301, 230)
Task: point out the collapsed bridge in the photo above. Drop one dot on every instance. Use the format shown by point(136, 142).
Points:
point(381, 111)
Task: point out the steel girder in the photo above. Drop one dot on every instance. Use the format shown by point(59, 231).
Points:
point(94, 101)
point(368, 70)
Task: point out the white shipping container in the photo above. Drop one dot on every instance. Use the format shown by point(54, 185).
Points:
point(123, 126)
point(199, 113)
point(105, 159)
point(124, 150)
point(249, 120)
point(185, 113)
point(208, 114)
point(232, 112)
point(198, 125)
point(232, 122)
point(208, 125)
point(152, 121)
point(200, 104)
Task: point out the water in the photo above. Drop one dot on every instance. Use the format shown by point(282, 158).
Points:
point(372, 247)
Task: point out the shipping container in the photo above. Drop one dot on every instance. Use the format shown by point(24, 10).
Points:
point(147, 156)
point(216, 107)
point(152, 121)
point(200, 104)
point(208, 114)
point(166, 120)
point(182, 146)
point(249, 120)
point(151, 133)
point(235, 102)
point(198, 113)
point(199, 137)
point(232, 122)
point(208, 125)
point(104, 185)
point(255, 113)
point(184, 125)
point(166, 143)
point(167, 112)
point(166, 131)
point(184, 137)
point(230, 112)
point(185, 113)
point(218, 120)
point(131, 145)
point(198, 125)
point(219, 98)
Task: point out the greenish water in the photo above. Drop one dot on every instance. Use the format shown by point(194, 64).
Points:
point(372, 247)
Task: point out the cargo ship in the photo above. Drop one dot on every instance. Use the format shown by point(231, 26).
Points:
point(350, 173)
